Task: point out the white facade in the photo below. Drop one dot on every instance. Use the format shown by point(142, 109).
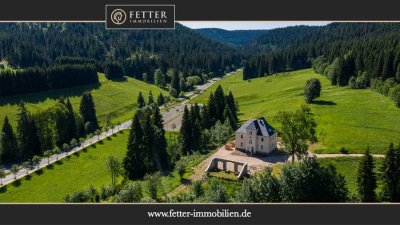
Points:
point(256, 136)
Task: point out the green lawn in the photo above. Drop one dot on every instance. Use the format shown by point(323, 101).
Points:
point(347, 166)
point(81, 170)
point(346, 117)
point(69, 175)
point(117, 98)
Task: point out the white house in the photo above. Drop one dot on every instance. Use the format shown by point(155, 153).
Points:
point(256, 136)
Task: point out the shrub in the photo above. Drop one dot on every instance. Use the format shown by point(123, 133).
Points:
point(132, 192)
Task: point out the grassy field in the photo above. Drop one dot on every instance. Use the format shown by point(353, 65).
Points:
point(81, 170)
point(117, 98)
point(347, 166)
point(77, 172)
point(346, 117)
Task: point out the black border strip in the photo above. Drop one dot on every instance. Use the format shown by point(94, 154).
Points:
point(311, 214)
point(208, 10)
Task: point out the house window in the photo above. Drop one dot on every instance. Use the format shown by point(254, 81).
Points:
point(241, 144)
point(251, 133)
point(261, 147)
point(262, 139)
point(241, 136)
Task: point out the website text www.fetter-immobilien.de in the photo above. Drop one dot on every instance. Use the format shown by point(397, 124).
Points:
point(218, 213)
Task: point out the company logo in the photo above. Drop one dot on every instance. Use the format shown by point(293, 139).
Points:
point(118, 16)
point(140, 16)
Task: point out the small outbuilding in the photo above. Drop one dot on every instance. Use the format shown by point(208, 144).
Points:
point(256, 136)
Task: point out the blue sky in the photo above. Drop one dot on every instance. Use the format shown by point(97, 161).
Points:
point(249, 25)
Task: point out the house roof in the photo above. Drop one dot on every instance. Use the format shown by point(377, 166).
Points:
point(261, 125)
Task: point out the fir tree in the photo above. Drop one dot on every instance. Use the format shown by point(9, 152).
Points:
point(160, 100)
point(366, 179)
point(175, 83)
point(28, 140)
point(140, 101)
point(72, 129)
point(160, 143)
point(186, 132)
point(150, 101)
point(220, 103)
point(391, 175)
point(88, 113)
point(9, 147)
point(133, 161)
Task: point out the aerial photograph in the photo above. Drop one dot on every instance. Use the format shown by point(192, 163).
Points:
point(208, 112)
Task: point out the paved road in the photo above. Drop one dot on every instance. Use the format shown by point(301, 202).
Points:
point(172, 114)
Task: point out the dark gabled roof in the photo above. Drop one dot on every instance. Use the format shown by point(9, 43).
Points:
point(261, 125)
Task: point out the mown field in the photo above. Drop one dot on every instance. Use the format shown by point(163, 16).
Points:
point(68, 175)
point(116, 98)
point(349, 118)
point(347, 166)
point(83, 169)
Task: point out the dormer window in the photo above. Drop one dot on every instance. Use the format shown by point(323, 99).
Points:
point(262, 139)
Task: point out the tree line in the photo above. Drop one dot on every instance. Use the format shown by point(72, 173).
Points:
point(34, 79)
point(140, 53)
point(45, 133)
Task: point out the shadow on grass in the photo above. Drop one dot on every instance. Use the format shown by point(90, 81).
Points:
point(3, 189)
point(59, 162)
point(323, 102)
point(39, 172)
point(84, 150)
point(109, 138)
point(50, 167)
point(77, 154)
point(120, 79)
point(28, 177)
point(38, 97)
point(114, 135)
point(16, 183)
point(100, 142)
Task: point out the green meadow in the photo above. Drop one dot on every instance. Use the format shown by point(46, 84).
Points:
point(347, 166)
point(76, 172)
point(116, 98)
point(349, 118)
point(80, 170)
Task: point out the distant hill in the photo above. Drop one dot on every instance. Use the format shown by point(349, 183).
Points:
point(235, 37)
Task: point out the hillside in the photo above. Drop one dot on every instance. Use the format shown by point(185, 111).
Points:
point(117, 98)
point(373, 48)
point(346, 117)
point(234, 37)
point(30, 44)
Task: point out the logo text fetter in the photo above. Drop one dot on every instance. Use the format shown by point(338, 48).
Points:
point(147, 15)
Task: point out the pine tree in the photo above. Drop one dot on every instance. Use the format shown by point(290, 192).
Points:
point(140, 101)
point(366, 179)
point(194, 116)
point(175, 83)
point(220, 103)
point(186, 132)
point(133, 161)
point(160, 100)
point(230, 101)
point(160, 143)
point(88, 113)
point(72, 129)
point(150, 101)
point(9, 153)
point(391, 175)
point(212, 111)
point(229, 116)
point(28, 140)
point(150, 152)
